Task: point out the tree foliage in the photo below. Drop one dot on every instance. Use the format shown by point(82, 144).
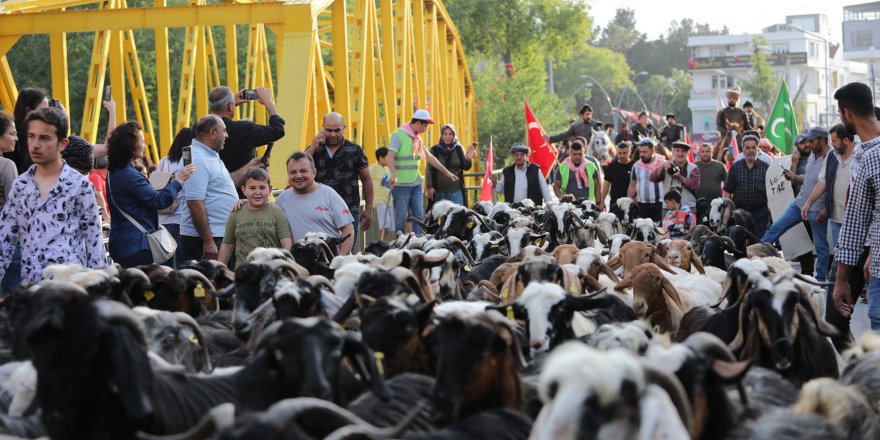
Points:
point(761, 85)
point(620, 34)
point(579, 77)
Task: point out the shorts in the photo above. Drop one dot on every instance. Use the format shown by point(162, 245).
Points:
point(385, 217)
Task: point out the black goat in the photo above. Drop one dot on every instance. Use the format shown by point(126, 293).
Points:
point(95, 380)
point(392, 327)
point(713, 248)
point(703, 207)
point(314, 256)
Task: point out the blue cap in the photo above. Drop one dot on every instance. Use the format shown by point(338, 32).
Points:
point(817, 132)
point(799, 138)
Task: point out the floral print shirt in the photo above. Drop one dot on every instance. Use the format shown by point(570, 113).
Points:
point(63, 228)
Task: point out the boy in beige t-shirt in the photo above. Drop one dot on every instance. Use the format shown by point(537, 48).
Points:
point(382, 193)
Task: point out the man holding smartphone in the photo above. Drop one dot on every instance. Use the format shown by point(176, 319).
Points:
point(244, 136)
point(340, 163)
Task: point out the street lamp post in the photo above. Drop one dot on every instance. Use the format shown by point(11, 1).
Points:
point(623, 92)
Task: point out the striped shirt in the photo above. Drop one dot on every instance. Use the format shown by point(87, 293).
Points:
point(647, 191)
point(861, 221)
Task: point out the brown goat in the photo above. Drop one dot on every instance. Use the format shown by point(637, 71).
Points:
point(654, 297)
point(565, 253)
point(680, 253)
point(635, 253)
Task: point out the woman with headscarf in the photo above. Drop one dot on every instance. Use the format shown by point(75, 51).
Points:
point(451, 154)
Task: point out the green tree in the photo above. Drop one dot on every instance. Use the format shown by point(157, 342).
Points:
point(507, 28)
point(660, 56)
point(579, 77)
point(678, 102)
point(620, 34)
point(761, 85)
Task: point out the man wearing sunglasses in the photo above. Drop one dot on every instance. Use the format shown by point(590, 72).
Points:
point(340, 163)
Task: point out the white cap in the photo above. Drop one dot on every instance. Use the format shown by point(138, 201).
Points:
point(423, 115)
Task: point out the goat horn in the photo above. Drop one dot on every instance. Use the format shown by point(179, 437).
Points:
point(192, 273)
point(320, 281)
point(287, 268)
point(225, 293)
point(218, 418)
point(458, 243)
point(114, 311)
point(416, 221)
point(328, 253)
point(187, 320)
point(280, 414)
point(137, 273)
point(709, 344)
point(361, 429)
point(675, 391)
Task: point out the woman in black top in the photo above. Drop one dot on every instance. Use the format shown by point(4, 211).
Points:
point(451, 154)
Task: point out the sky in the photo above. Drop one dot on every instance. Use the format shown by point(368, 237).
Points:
point(740, 16)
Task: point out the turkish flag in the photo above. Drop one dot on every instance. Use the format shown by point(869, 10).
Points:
point(543, 153)
point(486, 192)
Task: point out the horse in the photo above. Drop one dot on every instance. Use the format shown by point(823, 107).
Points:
point(601, 147)
point(724, 142)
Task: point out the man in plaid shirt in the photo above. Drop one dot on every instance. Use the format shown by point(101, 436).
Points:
point(746, 184)
point(861, 223)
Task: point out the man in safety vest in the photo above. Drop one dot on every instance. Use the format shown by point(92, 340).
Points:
point(577, 176)
point(405, 153)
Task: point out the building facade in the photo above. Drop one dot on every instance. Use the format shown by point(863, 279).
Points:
point(861, 39)
point(800, 50)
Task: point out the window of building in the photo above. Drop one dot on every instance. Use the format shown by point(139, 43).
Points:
point(722, 82)
point(862, 39)
point(718, 51)
point(814, 49)
point(780, 48)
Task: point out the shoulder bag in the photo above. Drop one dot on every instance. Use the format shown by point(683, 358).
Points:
point(162, 243)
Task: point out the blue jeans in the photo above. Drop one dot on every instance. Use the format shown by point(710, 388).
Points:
point(789, 218)
point(835, 233)
point(408, 200)
point(820, 243)
point(356, 215)
point(179, 255)
point(12, 277)
point(455, 196)
point(873, 301)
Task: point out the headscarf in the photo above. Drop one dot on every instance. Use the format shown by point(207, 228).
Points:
point(448, 148)
point(79, 154)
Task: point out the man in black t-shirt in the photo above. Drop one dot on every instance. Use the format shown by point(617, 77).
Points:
point(244, 136)
point(617, 175)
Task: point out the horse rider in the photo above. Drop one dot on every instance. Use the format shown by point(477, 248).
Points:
point(583, 128)
point(730, 118)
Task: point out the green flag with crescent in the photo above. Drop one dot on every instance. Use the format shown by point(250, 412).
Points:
point(781, 125)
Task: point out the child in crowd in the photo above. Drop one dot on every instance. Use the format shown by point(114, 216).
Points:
point(678, 220)
point(259, 223)
point(382, 194)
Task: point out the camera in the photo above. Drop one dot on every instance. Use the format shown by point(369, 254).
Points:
point(673, 170)
point(249, 95)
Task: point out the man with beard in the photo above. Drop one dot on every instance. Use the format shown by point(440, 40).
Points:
point(799, 158)
point(755, 120)
point(583, 128)
point(817, 138)
point(679, 174)
point(672, 132)
point(732, 117)
point(644, 129)
point(313, 207)
point(340, 164)
point(746, 186)
point(522, 180)
point(210, 193)
point(860, 225)
point(649, 195)
point(712, 174)
point(577, 176)
point(617, 175)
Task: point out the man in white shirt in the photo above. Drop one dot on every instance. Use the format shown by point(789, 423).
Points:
point(524, 180)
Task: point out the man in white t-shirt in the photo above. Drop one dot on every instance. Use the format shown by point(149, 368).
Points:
point(313, 207)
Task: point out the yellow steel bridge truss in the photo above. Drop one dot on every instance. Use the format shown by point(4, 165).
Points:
point(373, 61)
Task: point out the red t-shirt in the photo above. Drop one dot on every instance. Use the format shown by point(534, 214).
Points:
point(99, 181)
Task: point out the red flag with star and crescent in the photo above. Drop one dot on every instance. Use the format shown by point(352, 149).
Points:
point(543, 153)
point(486, 192)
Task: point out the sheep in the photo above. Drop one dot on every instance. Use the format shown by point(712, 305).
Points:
point(603, 395)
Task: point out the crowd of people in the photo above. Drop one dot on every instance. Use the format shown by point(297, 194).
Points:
point(58, 189)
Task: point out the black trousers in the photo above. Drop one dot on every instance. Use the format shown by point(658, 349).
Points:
point(856, 284)
point(653, 211)
point(193, 246)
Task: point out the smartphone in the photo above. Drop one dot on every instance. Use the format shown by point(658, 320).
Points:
point(107, 90)
point(54, 103)
point(249, 95)
point(187, 155)
point(267, 153)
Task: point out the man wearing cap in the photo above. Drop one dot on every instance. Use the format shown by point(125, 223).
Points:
point(648, 194)
point(755, 120)
point(522, 180)
point(644, 129)
point(799, 159)
point(732, 117)
point(405, 153)
point(679, 174)
point(672, 132)
point(583, 128)
point(817, 138)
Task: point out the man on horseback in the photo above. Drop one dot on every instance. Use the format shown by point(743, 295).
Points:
point(582, 128)
point(672, 132)
point(728, 119)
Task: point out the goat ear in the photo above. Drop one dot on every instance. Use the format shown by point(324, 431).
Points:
point(606, 269)
point(661, 263)
point(614, 262)
point(697, 262)
point(824, 328)
point(131, 371)
point(423, 314)
point(660, 249)
point(363, 359)
point(671, 292)
point(591, 284)
point(626, 282)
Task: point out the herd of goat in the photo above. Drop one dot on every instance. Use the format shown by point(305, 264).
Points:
point(502, 322)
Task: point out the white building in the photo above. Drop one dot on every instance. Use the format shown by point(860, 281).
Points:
point(861, 39)
point(800, 50)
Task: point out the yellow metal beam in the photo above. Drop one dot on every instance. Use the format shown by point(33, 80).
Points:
point(163, 86)
point(117, 77)
point(232, 60)
point(58, 54)
point(139, 94)
point(201, 74)
point(8, 91)
point(341, 80)
point(95, 84)
point(187, 80)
